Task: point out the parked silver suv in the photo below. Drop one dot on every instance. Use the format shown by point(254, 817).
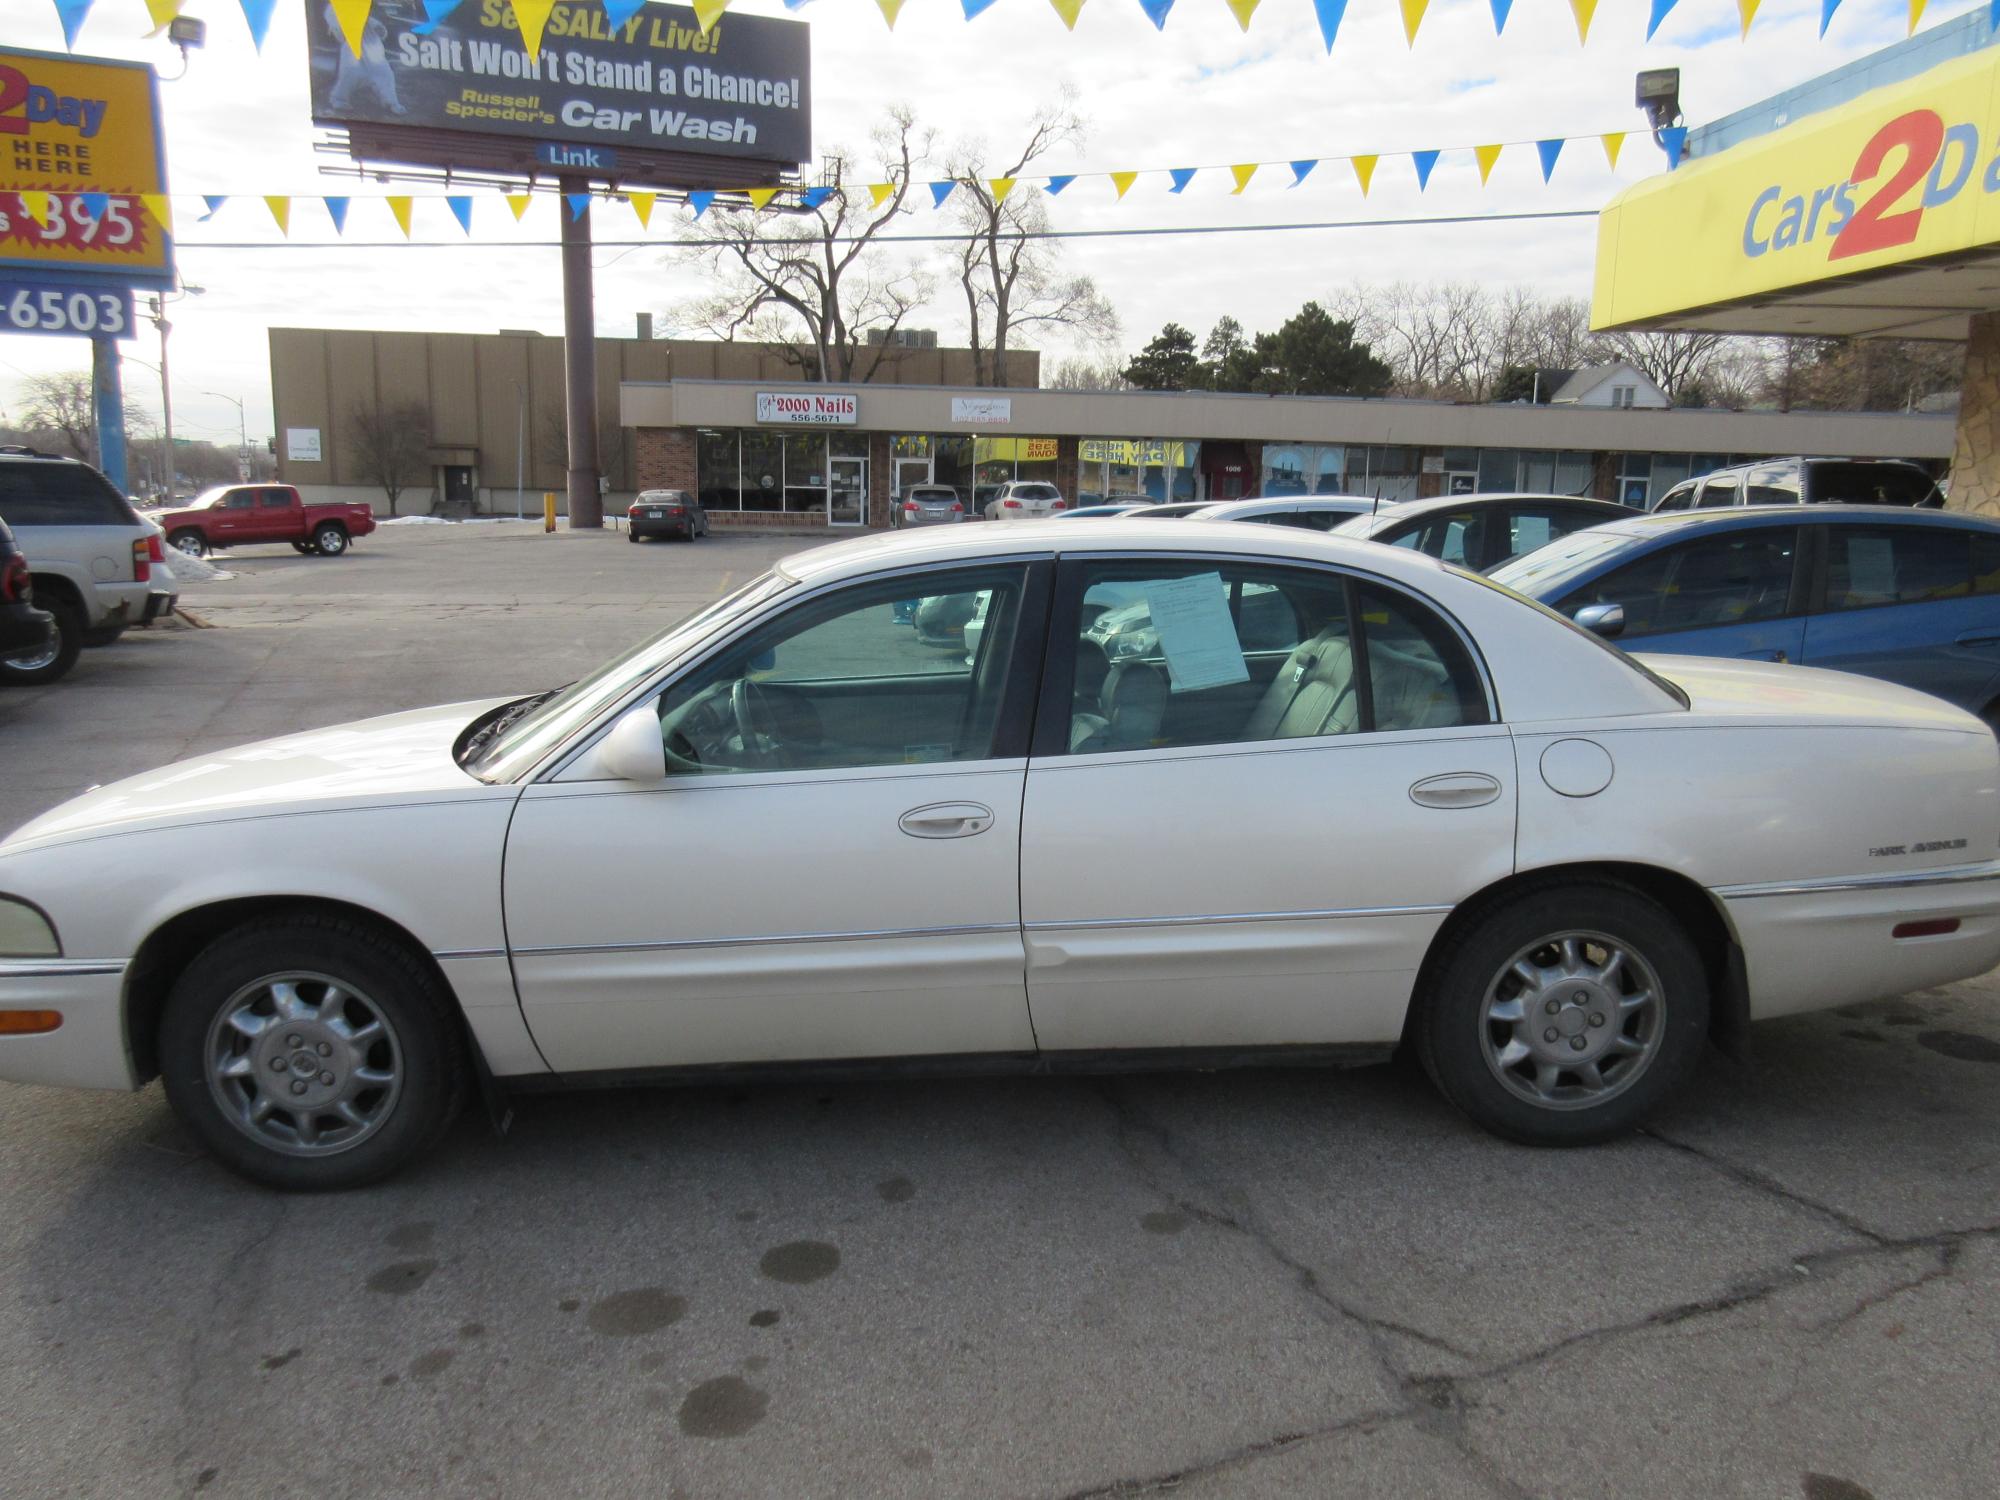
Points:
point(927, 505)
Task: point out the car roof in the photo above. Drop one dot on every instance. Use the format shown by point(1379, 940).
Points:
point(1406, 508)
point(1672, 522)
point(1233, 510)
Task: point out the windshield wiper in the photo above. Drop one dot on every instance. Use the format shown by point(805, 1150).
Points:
point(476, 743)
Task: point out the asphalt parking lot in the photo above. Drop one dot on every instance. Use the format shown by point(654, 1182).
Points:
point(1249, 1283)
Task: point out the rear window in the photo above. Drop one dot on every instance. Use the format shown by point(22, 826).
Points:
point(1037, 492)
point(1870, 484)
point(60, 494)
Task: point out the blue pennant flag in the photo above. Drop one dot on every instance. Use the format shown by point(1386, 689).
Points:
point(975, 7)
point(1156, 12)
point(214, 201)
point(94, 204)
point(699, 201)
point(72, 13)
point(1330, 13)
point(618, 12)
point(1548, 151)
point(1503, 8)
point(1302, 169)
point(577, 202)
point(258, 14)
point(813, 197)
point(1828, 7)
point(1993, 16)
point(436, 12)
point(1672, 139)
point(1057, 184)
point(336, 209)
point(1182, 176)
point(797, 4)
point(461, 210)
point(1425, 160)
point(941, 191)
point(1661, 7)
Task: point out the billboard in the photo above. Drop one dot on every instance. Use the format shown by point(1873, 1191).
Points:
point(648, 100)
point(80, 151)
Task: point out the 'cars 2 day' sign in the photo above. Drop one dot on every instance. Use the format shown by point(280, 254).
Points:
point(808, 408)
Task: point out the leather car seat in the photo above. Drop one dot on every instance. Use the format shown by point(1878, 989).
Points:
point(1132, 706)
point(1313, 692)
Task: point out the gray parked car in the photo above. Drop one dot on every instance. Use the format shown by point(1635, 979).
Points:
point(927, 505)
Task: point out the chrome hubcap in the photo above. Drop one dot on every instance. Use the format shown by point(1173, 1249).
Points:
point(189, 545)
point(304, 1064)
point(34, 661)
point(1572, 1020)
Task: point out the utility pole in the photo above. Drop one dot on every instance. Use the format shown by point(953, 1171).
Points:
point(586, 505)
point(242, 434)
point(159, 301)
point(520, 442)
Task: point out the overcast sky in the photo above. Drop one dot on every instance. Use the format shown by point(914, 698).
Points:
point(1201, 93)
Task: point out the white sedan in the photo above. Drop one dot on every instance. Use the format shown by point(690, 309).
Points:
point(1427, 812)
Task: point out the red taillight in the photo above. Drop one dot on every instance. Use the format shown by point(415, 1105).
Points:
point(15, 585)
point(1010, 505)
point(1934, 927)
point(956, 508)
point(142, 561)
point(675, 510)
point(155, 549)
point(909, 507)
point(1060, 505)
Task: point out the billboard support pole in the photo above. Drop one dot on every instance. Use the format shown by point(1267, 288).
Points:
point(586, 505)
point(108, 402)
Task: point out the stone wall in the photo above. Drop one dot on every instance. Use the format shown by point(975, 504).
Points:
point(1975, 459)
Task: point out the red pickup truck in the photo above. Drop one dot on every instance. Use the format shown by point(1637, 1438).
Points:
point(237, 514)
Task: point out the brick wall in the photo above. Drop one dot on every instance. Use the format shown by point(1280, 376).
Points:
point(663, 458)
point(1975, 459)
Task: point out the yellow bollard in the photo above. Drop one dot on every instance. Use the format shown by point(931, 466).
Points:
point(548, 510)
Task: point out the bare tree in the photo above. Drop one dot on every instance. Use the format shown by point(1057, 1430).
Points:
point(62, 406)
point(1010, 274)
point(1078, 374)
point(813, 283)
point(391, 445)
point(1438, 339)
point(1676, 362)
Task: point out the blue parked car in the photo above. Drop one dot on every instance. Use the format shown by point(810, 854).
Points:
point(1910, 596)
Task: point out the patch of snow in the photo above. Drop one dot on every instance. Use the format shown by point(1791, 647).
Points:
point(191, 569)
point(414, 521)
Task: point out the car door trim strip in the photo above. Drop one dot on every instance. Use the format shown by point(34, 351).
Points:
point(1898, 880)
point(771, 939)
point(1212, 919)
point(57, 968)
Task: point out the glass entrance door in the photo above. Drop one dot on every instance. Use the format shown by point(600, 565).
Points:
point(909, 471)
point(847, 491)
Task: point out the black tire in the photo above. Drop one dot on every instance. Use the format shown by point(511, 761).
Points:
point(193, 543)
point(633, 536)
point(304, 549)
point(70, 630)
point(330, 540)
point(103, 635)
point(1453, 1036)
point(429, 1062)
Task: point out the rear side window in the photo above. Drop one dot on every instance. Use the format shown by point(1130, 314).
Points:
point(277, 499)
point(1731, 579)
point(1717, 492)
point(59, 494)
point(1680, 497)
point(1869, 484)
point(1870, 565)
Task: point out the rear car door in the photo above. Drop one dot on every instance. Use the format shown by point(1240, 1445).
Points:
point(1911, 603)
point(1736, 592)
point(277, 518)
point(1250, 805)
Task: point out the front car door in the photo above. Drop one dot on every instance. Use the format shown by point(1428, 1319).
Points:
point(1737, 592)
point(1257, 790)
point(830, 868)
point(234, 517)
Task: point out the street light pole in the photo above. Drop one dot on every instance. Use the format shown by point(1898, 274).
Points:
point(159, 301)
point(242, 434)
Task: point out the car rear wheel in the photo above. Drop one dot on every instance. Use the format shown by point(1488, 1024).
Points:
point(193, 543)
point(633, 536)
point(311, 1053)
point(330, 541)
point(304, 549)
point(1564, 1016)
point(52, 662)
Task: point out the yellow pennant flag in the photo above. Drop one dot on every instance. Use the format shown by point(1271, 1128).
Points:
point(1413, 17)
point(1069, 10)
point(519, 203)
point(1242, 174)
point(642, 205)
point(1123, 181)
point(162, 12)
point(1487, 155)
point(879, 193)
point(1747, 9)
point(1243, 10)
point(708, 12)
point(760, 198)
point(352, 17)
point(1612, 142)
point(1364, 171)
point(400, 207)
point(1916, 14)
point(1585, 9)
point(533, 16)
point(890, 10)
point(281, 210)
point(1001, 187)
point(160, 207)
point(37, 206)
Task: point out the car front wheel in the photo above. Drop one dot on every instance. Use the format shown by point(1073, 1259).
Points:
point(311, 1053)
point(193, 543)
point(1564, 1016)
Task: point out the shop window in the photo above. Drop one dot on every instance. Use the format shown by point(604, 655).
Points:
point(1499, 470)
point(763, 471)
point(805, 471)
point(848, 445)
point(718, 474)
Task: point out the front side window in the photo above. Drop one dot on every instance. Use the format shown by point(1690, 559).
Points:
point(1870, 565)
point(1680, 497)
point(1731, 579)
point(240, 500)
point(900, 671)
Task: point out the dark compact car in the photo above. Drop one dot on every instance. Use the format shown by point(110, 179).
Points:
point(1481, 531)
point(1910, 596)
point(27, 634)
point(1808, 481)
point(665, 513)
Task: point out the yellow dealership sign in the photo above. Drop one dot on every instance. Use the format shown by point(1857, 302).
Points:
point(1905, 173)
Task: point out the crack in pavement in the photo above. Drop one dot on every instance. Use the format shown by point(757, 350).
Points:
point(1750, 1177)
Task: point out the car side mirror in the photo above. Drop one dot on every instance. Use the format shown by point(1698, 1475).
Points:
point(633, 750)
point(1607, 620)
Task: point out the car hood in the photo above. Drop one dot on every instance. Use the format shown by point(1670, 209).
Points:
point(1722, 687)
point(402, 757)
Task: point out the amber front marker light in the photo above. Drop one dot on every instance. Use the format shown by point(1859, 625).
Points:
point(28, 1022)
point(1935, 927)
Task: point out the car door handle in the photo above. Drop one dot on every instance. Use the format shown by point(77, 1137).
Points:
point(1985, 637)
point(946, 820)
point(1455, 789)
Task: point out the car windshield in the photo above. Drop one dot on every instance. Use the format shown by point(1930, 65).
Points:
point(522, 743)
point(210, 498)
point(1547, 569)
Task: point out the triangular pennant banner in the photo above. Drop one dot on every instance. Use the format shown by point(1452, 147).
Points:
point(578, 202)
point(1242, 172)
point(533, 15)
point(1993, 16)
point(1243, 10)
point(1000, 187)
point(890, 10)
point(1672, 139)
point(1548, 151)
point(760, 198)
point(1747, 9)
point(1057, 184)
point(1156, 11)
point(257, 13)
point(1612, 144)
point(1182, 176)
point(519, 203)
point(1069, 10)
point(1583, 10)
point(214, 202)
point(880, 192)
point(642, 205)
point(281, 211)
point(699, 201)
point(1329, 13)
point(352, 18)
point(941, 191)
point(161, 208)
point(1413, 17)
point(976, 7)
point(435, 12)
point(36, 205)
point(1485, 156)
point(461, 209)
point(1501, 10)
point(618, 12)
point(161, 13)
point(72, 13)
point(94, 204)
point(1123, 181)
point(707, 13)
point(797, 4)
point(1364, 171)
point(1425, 160)
point(1916, 14)
point(1662, 7)
point(400, 206)
point(813, 197)
point(336, 209)
point(1302, 170)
